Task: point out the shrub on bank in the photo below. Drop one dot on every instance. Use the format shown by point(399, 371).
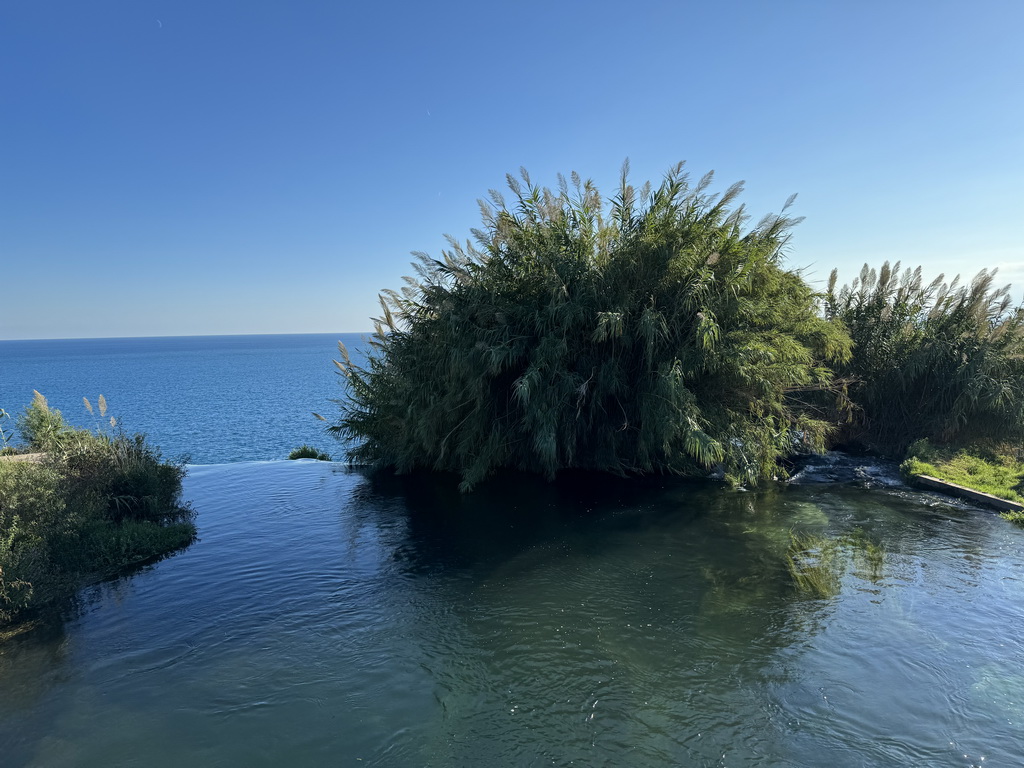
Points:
point(996, 469)
point(936, 361)
point(657, 334)
point(96, 503)
point(309, 452)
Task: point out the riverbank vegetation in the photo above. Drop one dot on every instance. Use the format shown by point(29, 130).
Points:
point(936, 375)
point(89, 504)
point(659, 333)
point(932, 361)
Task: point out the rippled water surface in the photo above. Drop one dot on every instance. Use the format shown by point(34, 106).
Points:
point(325, 618)
point(214, 399)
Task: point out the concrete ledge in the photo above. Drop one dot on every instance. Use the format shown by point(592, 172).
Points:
point(934, 484)
point(36, 457)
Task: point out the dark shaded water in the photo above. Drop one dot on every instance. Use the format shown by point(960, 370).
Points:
point(327, 619)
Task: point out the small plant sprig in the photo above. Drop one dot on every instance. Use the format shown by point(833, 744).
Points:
point(5, 436)
point(101, 403)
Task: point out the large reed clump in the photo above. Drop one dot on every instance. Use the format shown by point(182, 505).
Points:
point(938, 361)
point(96, 502)
point(656, 336)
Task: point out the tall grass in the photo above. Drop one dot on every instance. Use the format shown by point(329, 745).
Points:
point(658, 333)
point(938, 361)
point(988, 467)
point(99, 501)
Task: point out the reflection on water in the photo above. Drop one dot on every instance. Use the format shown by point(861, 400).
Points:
point(325, 617)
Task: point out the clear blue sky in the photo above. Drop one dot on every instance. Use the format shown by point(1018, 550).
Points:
point(176, 167)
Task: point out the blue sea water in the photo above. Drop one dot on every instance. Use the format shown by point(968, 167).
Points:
point(212, 399)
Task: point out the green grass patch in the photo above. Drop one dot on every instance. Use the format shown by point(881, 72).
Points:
point(993, 469)
point(996, 469)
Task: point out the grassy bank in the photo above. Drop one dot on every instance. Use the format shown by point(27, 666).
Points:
point(95, 503)
point(990, 468)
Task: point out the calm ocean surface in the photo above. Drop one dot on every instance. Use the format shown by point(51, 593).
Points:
point(215, 399)
point(327, 616)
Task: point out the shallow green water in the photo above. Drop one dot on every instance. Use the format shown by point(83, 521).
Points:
point(326, 619)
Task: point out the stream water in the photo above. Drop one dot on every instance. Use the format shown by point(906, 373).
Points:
point(329, 618)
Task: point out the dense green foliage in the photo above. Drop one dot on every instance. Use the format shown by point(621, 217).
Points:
point(933, 361)
point(657, 334)
point(309, 452)
point(95, 503)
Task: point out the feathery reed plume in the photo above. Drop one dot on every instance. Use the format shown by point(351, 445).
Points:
point(660, 336)
point(939, 361)
point(39, 402)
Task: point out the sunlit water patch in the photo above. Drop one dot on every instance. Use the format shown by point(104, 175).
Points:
point(325, 618)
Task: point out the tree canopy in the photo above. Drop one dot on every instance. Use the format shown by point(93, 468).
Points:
point(656, 333)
